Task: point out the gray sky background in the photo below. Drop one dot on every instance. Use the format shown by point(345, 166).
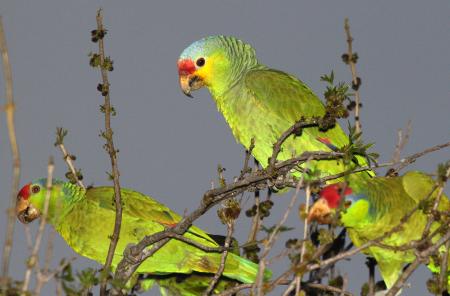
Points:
point(170, 145)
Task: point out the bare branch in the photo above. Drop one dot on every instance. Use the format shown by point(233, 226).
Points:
point(213, 283)
point(443, 279)
point(412, 158)
point(355, 79)
point(403, 138)
point(42, 274)
point(33, 260)
point(108, 135)
point(248, 154)
point(60, 134)
point(272, 238)
point(9, 110)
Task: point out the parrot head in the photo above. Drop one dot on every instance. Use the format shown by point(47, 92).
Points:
point(329, 199)
point(30, 199)
point(214, 62)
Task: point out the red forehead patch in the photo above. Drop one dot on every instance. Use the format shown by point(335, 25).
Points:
point(186, 67)
point(24, 193)
point(332, 194)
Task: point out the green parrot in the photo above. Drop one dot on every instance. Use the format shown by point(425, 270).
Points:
point(376, 205)
point(259, 102)
point(85, 219)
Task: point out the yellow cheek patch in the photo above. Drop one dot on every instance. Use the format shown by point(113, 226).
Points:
point(206, 72)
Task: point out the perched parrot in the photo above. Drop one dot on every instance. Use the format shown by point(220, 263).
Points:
point(85, 219)
point(259, 102)
point(376, 205)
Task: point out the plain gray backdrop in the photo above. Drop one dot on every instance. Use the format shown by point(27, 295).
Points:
point(170, 145)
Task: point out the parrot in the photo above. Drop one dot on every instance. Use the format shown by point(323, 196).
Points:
point(261, 103)
point(85, 219)
point(373, 207)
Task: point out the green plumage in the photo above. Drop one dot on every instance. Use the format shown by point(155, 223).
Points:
point(261, 103)
point(378, 205)
point(85, 219)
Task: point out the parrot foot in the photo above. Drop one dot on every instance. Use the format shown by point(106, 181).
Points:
point(130, 254)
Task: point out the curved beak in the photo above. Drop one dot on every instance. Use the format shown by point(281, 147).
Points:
point(320, 212)
point(185, 85)
point(190, 82)
point(25, 211)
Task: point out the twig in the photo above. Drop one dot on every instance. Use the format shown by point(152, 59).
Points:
point(234, 290)
point(375, 241)
point(196, 244)
point(212, 197)
point(305, 235)
point(42, 275)
point(33, 260)
point(371, 265)
point(403, 139)
point(256, 221)
point(317, 286)
point(435, 205)
point(355, 77)
point(412, 267)
point(272, 238)
point(412, 158)
point(248, 154)
point(60, 134)
point(284, 136)
point(108, 134)
point(254, 180)
point(344, 285)
point(291, 287)
point(443, 279)
point(213, 283)
point(9, 110)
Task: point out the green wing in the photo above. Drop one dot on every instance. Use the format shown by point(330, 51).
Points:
point(266, 104)
point(140, 206)
point(91, 221)
point(389, 200)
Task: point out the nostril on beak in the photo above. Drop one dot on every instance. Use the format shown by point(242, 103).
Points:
point(193, 80)
point(23, 216)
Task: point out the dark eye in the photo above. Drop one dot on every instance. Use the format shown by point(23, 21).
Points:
point(35, 189)
point(200, 62)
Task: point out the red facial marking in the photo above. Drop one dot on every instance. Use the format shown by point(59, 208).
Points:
point(332, 194)
point(186, 67)
point(24, 193)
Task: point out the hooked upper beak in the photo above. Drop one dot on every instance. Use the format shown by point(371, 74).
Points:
point(25, 211)
point(320, 212)
point(184, 84)
point(190, 82)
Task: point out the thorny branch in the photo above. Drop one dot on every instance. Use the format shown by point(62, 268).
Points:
point(108, 135)
point(9, 111)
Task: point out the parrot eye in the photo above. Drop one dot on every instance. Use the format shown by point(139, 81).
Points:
point(35, 189)
point(200, 62)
